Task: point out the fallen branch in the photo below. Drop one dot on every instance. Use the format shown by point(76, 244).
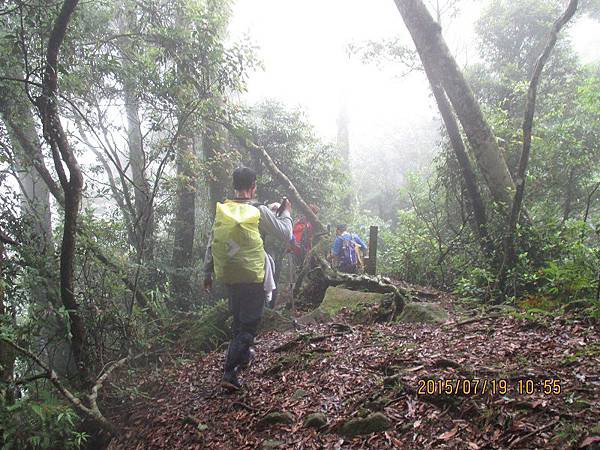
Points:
point(279, 175)
point(92, 412)
point(534, 432)
point(473, 320)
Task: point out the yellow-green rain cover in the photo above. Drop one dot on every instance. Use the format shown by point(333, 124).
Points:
point(237, 247)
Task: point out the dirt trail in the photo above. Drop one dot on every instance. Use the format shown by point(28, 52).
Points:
point(352, 373)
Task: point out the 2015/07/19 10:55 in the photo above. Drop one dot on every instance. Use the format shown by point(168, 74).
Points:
point(491, 386)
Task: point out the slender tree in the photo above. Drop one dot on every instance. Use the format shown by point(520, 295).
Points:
point(432, 49)
point(72, 184)
point(509, 241)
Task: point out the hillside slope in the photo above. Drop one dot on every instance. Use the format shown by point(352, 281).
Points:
point(349, 373)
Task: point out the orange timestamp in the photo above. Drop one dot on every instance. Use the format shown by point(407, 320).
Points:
point(489, 386)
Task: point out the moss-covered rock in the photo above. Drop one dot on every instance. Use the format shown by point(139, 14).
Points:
point(315, 420)
point(337, 298)
point(317, 276)
point(271, 444)
point(207, 329)
point(363, 307)
point(276, 320)
point(300, 393)
point(313, 317)
point(423, 313)
point(274, 418)
point(371, 424)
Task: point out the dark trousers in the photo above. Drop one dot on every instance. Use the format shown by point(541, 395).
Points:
point(348, 269)
point(246, 303)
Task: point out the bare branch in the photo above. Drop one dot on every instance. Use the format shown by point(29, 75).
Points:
point(93, 413)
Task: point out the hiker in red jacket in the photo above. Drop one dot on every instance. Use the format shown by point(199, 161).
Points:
point(303, 237)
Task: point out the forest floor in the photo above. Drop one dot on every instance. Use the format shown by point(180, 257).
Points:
point(353, 372)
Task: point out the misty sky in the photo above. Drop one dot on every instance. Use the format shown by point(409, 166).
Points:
point(303, 48)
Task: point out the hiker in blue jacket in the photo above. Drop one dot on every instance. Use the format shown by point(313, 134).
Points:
point(346, 248)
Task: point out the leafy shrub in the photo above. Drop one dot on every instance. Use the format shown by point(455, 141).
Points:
point(41, 423)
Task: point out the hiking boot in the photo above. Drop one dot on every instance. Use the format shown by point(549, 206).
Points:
point(247, 358)
point(230, 381)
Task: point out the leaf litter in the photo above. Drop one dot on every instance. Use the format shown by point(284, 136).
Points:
point(377, 368)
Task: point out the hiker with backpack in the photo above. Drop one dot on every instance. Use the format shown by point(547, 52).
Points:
point(347, 250)
point(303, 237)
point(236, 255)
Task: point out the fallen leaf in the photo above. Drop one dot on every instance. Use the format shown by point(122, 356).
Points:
point(448, 435)
point(589, 441)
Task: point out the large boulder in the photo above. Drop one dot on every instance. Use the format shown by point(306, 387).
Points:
point(357, 306)
point(423, 313)
point(317, 275)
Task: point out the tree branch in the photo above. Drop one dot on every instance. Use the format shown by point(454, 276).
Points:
point(93, 413)
point(277, 173)
point(509, 241)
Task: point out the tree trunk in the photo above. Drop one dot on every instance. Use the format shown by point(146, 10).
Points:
point(20, 123)
point(469, 176)
point(510, 255)
point(35, 197)
point(433, 50)
point(214, 138)
point(7, 354)
point(72, 185)
point(144, 219)
point(185, 218)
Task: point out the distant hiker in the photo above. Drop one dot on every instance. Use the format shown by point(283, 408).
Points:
point(303, 236)
point(236, 255)
point(347, 250)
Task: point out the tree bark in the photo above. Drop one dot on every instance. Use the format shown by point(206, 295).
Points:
point(460, 152)
point(213, 142)
point(144, 220)
point(185, 218)
point(72, 184)
point(15, 108)
point(7, 355)
point(432, 49)
point(285, 182)
point(510, 256)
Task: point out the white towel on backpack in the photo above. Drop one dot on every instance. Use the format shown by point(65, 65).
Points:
point(269, 283)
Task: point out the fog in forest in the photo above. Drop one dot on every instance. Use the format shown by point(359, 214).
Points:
point(233, 224)
point(394, 125)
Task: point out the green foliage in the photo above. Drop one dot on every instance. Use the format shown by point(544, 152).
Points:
point(41, 423)
point(313, 166)
point(559, 263)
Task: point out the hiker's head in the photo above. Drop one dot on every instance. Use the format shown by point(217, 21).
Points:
point(340, 228)
point(244, 182)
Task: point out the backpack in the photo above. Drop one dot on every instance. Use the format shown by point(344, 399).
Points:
point(349, 257)
point(298, 231)
point(237, 247)
point(301, 232)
